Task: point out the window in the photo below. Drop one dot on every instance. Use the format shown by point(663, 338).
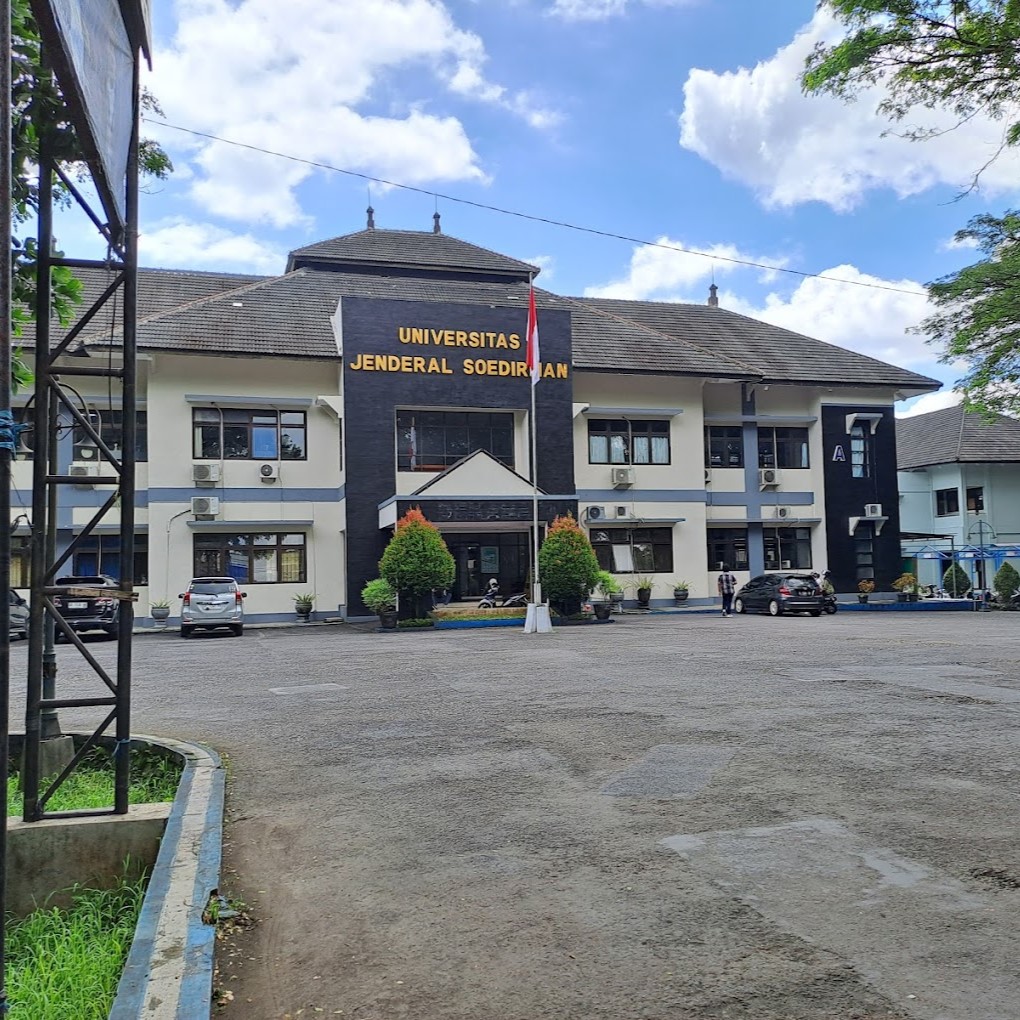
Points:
point(724, 446)
point(236, 434)
point(251, 559)
point(864, 550)
point(21, 561)
point(110, 424)
point(729, 546)
point(976, 499)
point(634, 550)
point(782, 448)
point(619, 441)
point(434, 440)
point(100, 554)
point(947, 502)
point(862, 451)
point(787, 548)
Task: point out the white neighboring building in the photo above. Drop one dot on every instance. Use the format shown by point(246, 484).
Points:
point(959, 482)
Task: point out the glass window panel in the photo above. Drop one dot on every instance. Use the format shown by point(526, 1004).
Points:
point(479, 437)
point(502, 443)
point(292, 443)
point(618, 449)
point(292, 540)
point(644, 561)
point(206, 414)
point(292, 565)
point(660, 449)
point(604, 554)
point(235, 442)
point(642, 450)
point(431, 418)
point(292, 418)
point(263, 442)
point(264, 566)
point(598, 449)
point(268, 418)
point(457, 441)
point(232, 414)
point(261, 540)
point(623, 560)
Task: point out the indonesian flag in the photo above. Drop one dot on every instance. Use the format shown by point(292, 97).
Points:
point(534, 359)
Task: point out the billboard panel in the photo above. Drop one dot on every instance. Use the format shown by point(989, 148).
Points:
point(87, 43)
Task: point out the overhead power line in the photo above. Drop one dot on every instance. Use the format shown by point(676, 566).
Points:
point(531, 216)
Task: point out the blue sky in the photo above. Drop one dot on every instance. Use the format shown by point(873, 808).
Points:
point(672, 120)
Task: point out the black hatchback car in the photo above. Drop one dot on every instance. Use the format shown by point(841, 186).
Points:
point(91, 611)
point(777, 594)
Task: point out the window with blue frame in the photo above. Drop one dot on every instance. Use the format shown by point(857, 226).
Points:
point(268, 558)
point(100, 554)
point(232, 433)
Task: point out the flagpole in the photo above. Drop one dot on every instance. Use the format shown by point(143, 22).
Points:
point(536, 583)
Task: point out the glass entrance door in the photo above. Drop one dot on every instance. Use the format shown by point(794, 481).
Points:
point(480, 556)
point(469, 571)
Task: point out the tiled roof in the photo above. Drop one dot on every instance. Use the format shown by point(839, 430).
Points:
point(408, 249)
point(773, 353)
point(952, 435)
point(159, 290)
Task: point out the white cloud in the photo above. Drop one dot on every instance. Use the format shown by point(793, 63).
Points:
point(296, 77)
point(931, 402)
point(958, 245)
point(600, 10)
point(546, 263)
point(757, 127)
point(867, 320)
point(185, 245)
point(663, 274)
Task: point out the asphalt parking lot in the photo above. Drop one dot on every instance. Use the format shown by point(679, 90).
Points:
point(667, 817)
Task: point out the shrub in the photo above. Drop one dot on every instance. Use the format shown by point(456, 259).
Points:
point(413, 624)
point(379, 596)
point(906, 582)
point(955, 581)
point(1006, 582)
point(607, 584)
point(569, 569)
point(416, 560)
point(866, 587)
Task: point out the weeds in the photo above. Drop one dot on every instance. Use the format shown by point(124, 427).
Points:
point(67, 963)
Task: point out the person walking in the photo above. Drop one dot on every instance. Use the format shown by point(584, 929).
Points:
point(727, 586)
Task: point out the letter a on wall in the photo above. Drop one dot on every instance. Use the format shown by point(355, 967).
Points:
point(838, 454)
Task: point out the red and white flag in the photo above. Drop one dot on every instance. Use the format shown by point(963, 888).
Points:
point(534, 359)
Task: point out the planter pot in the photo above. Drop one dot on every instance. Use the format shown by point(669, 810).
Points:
point(160, 613)
point(863, 599)
point(388, 621)
point(643, 597)
point(616, 602)
point(601, 610)
point(680, 596)
point(902, 596)
point(303, 614)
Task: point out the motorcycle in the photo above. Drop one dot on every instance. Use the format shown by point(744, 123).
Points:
point(490, 600)
point(829, 603)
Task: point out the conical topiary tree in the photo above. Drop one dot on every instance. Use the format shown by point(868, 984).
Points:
point(416, 560)
point(568, 568)
point(1006, 582)
point(955, 581)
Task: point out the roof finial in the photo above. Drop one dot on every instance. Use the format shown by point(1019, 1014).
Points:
point(436, 229)
point(371, 218)
point(713, 296)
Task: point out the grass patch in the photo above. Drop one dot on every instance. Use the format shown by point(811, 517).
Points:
point(154, 779)
point(66, 963)
point(479, 614)
point(414, 624)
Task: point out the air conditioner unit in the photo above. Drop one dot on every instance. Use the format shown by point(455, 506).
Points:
point(205, 473)
point(623, 477)
point(205, 506)
point(872, 509)
point(268, 472)
point(768, 478)
point(782, 512)
point(786, 564)
point(89, 469)
point(623, 511)
point(595, 513)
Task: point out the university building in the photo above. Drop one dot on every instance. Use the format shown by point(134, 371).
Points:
point(287, 422)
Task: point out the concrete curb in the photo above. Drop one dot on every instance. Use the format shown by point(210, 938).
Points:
point(169, 970)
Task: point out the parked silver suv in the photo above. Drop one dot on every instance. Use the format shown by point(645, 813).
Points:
point(212, 602)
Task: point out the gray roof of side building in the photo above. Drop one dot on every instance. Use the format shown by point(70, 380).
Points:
point(408, 249)
point(952, 435)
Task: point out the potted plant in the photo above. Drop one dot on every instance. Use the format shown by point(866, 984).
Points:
point(381, 598)
point(416, 563)
point(303, 603)
point(644, 585)
point(159, 610)
point(607, 586)
point(681, 589)
point(568, 566)
point(906, 586)
point(865, 588)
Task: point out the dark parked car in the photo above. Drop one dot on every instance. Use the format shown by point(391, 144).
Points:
point(19, 615)
point(776, 594)
point(89, 612)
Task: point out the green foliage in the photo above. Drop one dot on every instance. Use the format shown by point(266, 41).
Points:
point(416, 560)
point(379, 596)
point(977, 317)
point(67, 963)
point(681, 585)
point(569, 569)
point(955, 581)
point(1006, 582)
point(303, 600)
point(644, 581)
point(955, 55)
point(607, 584)
point(415, 624)
point(479, 614)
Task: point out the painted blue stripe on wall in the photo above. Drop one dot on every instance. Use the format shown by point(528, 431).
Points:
point(759, 499)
